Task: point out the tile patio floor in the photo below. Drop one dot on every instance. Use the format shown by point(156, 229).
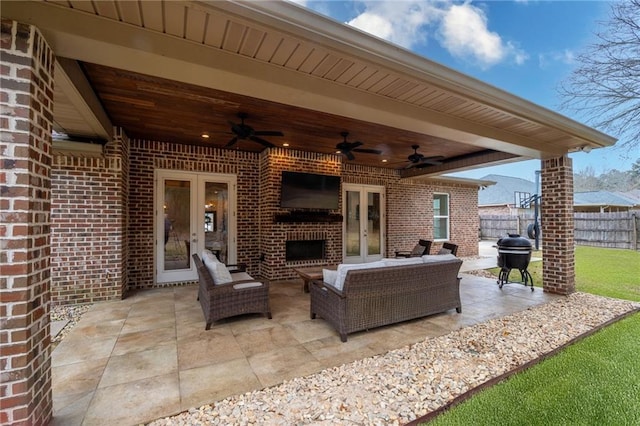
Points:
point(148, 356)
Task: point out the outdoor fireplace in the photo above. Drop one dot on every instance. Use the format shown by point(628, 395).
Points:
point(304, 250)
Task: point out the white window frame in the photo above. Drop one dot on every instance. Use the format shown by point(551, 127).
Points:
point(438, 217)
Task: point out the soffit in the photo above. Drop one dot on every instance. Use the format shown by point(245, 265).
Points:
point(344, 72)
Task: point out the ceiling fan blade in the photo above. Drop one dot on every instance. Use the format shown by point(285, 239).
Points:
point(432, 161)
point(261, 141)
point(236, 128)
point(349, 155)
point(355, 144)
point(410, 166)
point(268, 133)
point(231, 143)
point(368, 150)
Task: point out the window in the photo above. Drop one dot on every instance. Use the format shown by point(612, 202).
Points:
point(441, 216)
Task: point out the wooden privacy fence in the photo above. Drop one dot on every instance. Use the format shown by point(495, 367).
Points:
point(613, 230)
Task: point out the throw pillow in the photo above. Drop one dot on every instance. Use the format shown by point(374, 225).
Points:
point(329, 276)
point(444, 251)
point(221, 274)
point(417, 250)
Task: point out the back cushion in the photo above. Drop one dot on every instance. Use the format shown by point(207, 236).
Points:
point(221, 274)
point(329, 276)
point(431, 258)
point(403, 261)
point(346, 267)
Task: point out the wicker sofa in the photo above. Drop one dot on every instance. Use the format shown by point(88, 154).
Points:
point(381, 295)
point(243, 295)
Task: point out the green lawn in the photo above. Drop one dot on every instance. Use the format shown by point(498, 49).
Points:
point(605, 272)
point(593, 382)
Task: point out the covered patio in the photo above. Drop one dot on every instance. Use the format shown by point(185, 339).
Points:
point(150, 357)
point(151, 87)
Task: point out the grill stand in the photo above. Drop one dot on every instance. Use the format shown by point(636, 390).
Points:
point(503, 277)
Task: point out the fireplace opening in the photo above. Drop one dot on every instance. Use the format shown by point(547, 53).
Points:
point(305, 250)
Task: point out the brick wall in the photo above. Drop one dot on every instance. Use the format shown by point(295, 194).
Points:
point(274, 234)
point(148, 156)
point(261, 239)
point(558, 267)
point(88, 225)
point(410, 208)
point(26, 105)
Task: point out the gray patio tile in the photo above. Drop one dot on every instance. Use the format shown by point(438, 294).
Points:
point(282, 364)
point(218, 346)
point(140, 365)
point(135, 402)
point(265, 340)
point(213, 382)
point(144, 340)
point(76, 348)
point(70, 410)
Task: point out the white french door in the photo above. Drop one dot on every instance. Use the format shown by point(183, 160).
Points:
point(194, 211)
point(364, 231)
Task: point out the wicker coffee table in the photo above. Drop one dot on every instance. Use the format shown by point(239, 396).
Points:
point(311, 273)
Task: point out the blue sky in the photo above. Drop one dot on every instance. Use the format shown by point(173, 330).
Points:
point(524, 47)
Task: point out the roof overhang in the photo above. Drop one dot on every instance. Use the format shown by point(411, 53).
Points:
point(286, 54)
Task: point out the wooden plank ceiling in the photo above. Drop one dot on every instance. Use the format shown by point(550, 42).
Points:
point(156, 109)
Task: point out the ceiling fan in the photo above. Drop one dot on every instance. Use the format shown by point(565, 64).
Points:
point(348, 148)
point(419, 161)
point(244, 131)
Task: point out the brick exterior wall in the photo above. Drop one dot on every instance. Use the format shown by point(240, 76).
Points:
point(558, 267)
point(26, 103)
point(261, 239)
point(148, 156)
point(88, 225)
point(274, 234)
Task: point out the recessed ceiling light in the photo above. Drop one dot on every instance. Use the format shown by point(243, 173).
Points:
point(205, 136)
point(285, 144)
point(384, 160)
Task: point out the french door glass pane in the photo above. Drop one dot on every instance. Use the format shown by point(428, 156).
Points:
point(374, 245)
point(216, 219)
point(353, 223)
point(177, 224)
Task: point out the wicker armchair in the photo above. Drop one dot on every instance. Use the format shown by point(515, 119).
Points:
point(242, 296)
point(423, 247)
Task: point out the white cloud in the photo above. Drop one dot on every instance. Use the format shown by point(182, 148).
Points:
point(400, 22)
point(462, 29)
point(566, 57)
point(465, 34)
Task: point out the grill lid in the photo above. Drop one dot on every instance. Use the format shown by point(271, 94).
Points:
point(514, 241)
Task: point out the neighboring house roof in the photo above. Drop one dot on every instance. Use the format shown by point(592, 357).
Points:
point(502, 193)
point(633, 195)
point(602, 198)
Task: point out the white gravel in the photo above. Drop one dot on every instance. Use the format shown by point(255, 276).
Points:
point(407, 383)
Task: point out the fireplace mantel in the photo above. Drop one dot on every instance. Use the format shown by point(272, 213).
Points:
point(308, 217)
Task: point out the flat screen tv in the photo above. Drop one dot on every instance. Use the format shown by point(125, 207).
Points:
point(309, 191)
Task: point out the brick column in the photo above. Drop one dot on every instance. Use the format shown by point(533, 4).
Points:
point(26, 115)
point(558, 264)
